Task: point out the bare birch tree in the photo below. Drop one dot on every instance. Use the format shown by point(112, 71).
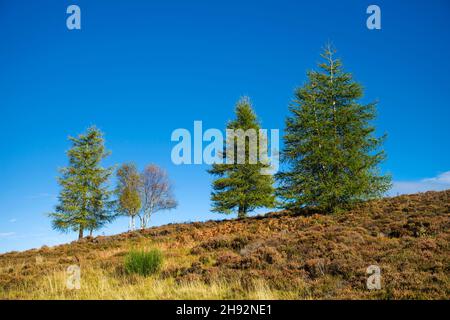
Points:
point(156, 193)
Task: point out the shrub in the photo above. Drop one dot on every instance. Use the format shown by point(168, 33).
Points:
point(143, 262)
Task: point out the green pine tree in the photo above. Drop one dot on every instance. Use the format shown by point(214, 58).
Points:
point(239, 185)
point(330, 149)
point(84, 198)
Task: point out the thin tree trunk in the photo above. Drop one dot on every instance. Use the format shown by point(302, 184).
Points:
point(143, 224)
point(146, 217)
point(131, 223)
point(241, 212)
point(80, 233)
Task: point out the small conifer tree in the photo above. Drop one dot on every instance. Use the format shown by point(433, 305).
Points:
point(240, 187)
point(84, 198)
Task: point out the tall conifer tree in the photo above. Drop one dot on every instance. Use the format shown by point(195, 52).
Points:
point(240, 187)
point(330, 149)
point(84, 198)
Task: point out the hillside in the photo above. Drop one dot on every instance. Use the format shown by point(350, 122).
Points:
point(280, 256)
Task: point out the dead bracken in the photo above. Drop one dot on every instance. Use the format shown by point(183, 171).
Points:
point(280, 255)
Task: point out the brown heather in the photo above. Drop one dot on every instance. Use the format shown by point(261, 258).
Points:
point(278, 256)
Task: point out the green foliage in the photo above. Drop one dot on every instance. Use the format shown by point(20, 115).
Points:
point(128, 187)
point(129, 201)
point(240, 186)
point(143, 262)
point(84, 198)
point(329, 150)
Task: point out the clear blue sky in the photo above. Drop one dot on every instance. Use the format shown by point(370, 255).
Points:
point(140, 69)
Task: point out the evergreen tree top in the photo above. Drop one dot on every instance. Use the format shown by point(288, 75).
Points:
point(245, 116)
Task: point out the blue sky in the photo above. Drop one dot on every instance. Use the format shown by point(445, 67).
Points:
point(140, 69)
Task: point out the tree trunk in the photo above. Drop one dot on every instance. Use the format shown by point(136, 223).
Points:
point(145, 219)
point(80, 233)
point(91, 232)
point(131, 223)
point(241, 212)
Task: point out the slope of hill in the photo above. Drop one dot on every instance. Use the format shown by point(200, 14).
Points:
point(279, 256)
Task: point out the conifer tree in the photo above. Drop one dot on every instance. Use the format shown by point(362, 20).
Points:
point(239, 185)
point(330, 150)
point(84, 198)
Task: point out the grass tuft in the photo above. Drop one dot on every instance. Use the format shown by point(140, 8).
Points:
point(143, 262)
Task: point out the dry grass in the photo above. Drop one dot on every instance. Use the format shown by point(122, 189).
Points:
point(279, 256)
point(96, 284)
